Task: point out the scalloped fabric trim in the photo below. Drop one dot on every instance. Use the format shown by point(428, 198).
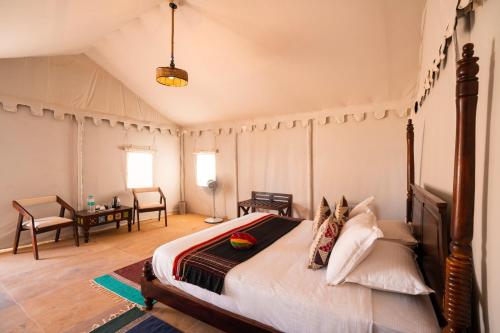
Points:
point(431, 75)
point(10, 104)
point(292, 121)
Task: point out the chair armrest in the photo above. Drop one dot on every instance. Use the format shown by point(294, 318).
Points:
point(161, 194)
point(65, 205)
point(21, 210)
point(136, 200)
point(163, 200)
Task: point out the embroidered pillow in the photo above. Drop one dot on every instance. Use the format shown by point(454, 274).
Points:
point(342, 210)
point(322, 214)
point(323, 243)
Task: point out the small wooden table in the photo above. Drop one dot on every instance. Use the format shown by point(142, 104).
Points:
point(86, 219)
point(265, 200)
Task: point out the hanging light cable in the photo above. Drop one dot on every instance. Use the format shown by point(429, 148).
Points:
point(172, 76)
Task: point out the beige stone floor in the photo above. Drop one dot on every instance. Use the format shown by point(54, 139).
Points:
point(55, 294)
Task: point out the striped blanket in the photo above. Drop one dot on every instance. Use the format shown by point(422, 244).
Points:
point(206, 264)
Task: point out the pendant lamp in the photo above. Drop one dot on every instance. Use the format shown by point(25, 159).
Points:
point(172, 76)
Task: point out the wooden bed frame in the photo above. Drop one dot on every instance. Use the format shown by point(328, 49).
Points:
point(444, 251)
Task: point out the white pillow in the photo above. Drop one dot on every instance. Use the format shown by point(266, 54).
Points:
point(391, 267)
point(397, 231)
point(353, 245)
point(364, 206)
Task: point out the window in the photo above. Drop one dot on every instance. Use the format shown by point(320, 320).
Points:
point(205, 168)
point(139, 169)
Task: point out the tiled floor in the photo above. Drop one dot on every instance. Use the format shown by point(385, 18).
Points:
point(54, 294)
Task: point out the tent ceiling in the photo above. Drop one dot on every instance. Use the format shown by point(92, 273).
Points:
point(245, 59)
point(54, 27)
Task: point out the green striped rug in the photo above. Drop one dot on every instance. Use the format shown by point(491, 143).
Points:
point(124, 282)
point(120, 288)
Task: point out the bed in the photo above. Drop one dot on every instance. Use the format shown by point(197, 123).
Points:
point(272, 291)
point(301, 299)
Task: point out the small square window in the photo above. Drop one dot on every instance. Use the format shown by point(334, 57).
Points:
point(205, 168)
point(139, 169)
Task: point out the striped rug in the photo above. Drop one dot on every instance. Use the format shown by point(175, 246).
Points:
point(124, 282)
point(135, 321)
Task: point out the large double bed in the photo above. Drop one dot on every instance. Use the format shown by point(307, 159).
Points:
point(274, 291)
point(275, 288)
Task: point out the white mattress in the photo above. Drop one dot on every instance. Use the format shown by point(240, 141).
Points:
point(275, 288)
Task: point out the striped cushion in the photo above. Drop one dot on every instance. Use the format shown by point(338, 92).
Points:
point(242, 241)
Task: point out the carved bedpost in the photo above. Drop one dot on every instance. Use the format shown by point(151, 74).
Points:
point(410, 171)
point(148, 271)
point(458, 283)
point(149, 275)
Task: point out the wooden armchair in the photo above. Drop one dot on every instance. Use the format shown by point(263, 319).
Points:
point(143, 207)
point(41, 225)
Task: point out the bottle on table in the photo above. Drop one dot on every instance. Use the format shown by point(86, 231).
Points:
point(91, 204)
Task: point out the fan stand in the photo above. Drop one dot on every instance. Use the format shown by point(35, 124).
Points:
point(213, 219)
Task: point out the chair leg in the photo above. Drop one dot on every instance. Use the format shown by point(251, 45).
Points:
point(34, 244)
point(166, 217)
point(75, 234)
point(58, 233)
point(138, 222)
point(16, 239)
point(159, 215)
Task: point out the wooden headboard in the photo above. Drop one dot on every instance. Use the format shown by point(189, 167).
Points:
point(431, 229)
point(427, 213)
point(444, 251)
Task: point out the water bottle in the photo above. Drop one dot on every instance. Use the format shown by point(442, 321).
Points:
point(91, 204)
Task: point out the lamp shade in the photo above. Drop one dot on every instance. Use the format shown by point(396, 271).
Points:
point(171, 76)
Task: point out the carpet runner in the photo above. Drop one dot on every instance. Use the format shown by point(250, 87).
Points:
point(124, 282)
point(135, 321)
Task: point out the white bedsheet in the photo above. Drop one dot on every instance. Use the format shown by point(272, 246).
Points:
point(275, 288)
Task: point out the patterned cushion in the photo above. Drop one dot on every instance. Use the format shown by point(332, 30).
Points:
point(242, 240)
point(342, 210)
point(322, 214)
point(323, 243)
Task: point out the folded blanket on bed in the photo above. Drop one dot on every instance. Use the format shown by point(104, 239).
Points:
point(206, 264)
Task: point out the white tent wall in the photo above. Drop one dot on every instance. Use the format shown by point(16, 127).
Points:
point(275, 161)
point(39, 157)
point(435, 137)
point(362, 159)
point(199, 199)
point(105, 164)
point(348, 158)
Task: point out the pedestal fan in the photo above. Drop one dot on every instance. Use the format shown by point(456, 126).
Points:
point(212, 186)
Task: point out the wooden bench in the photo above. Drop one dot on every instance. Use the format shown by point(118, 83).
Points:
point(266, 200)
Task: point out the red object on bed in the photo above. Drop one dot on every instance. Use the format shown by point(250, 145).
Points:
point(242, 241)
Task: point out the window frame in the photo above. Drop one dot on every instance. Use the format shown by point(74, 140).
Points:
point(214, 154)
point(140, 151)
